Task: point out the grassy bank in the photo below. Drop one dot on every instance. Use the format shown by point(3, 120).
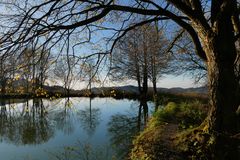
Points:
point(159, 139)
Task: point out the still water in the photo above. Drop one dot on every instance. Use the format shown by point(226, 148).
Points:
point(75, 128)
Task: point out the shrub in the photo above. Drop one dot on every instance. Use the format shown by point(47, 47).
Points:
point(167, 113)
point(191, 114)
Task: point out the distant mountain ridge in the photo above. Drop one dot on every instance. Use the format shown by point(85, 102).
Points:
point(200, 90)
point(21, 89)
point(127, 88)
point(134, 89)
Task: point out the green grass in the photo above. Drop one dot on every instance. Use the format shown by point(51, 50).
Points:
point(166, 114)
point(192, 114)
point(187, 114)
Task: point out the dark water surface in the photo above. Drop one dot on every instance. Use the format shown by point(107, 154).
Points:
point(75, 128)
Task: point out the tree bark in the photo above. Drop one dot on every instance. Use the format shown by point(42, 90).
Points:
point(145, 68)
point(154, 74)
point(145, 82)
point(3, 85)
point(154, 82)
point(223, 120)
point(224, 90)
point(224, 94)
point(145, 111)
point(138, 77)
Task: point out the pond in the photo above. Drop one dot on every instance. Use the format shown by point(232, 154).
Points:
point(70, 128)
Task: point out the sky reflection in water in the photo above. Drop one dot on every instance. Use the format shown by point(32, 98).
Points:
point(80, 128)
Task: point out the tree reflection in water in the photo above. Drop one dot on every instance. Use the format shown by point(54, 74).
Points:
point(63, 117)
point(26, 124)
point(124, 127)
point(34, 122)
point(89, 118)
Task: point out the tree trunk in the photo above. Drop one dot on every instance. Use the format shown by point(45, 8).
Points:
point(224, 95)
point(138, 77)
point(224, 90)
point(223, 120)
point(145, 70)
point(145, 111)
point(139, 117)
point(154, 74)
point(223, 84)
point(145, 84)
point(3, 84)
point(154, 82)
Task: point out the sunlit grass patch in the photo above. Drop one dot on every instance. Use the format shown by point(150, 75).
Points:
point(167, 113)
point(186, 114)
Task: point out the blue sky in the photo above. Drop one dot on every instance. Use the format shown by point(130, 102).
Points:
point(168, 81)
point(179, 81)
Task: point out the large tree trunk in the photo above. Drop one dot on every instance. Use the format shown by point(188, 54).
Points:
point(224, 95)
point(223, 120)
point(223, 84)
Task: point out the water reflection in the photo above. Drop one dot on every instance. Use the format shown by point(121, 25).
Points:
point(89, 118)
point(34, 126)
point(63, 116)
point(25, 125)
point(123, 127)
point(34, 122)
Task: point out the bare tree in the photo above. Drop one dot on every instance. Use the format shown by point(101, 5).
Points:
point(129, 59)
point(88, 73)
point(32, 67)
point(140, 55)
point(8, 67)
point(3, 75)
point(159, 56)
point(64, 72)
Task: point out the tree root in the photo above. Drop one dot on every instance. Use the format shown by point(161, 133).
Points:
point(199, 144)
